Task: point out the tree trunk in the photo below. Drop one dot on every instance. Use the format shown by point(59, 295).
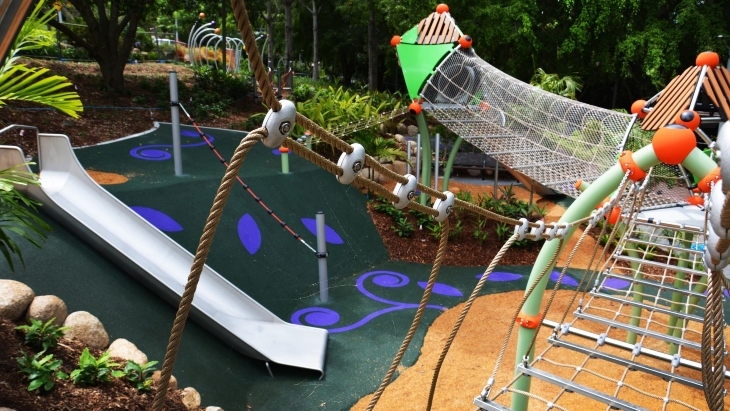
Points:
point(270, 34)
point(315, 41)
point(288, 33)
point(372, 49)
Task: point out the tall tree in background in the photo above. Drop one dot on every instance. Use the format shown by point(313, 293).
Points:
point(288, 33)
point(109, 34)
point(372, 48)
point(315, 37)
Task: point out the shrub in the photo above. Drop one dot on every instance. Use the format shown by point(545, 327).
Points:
point(403, 227)
point(41, 372)
point(140, 374)
point(41, 335)
point(94, 370)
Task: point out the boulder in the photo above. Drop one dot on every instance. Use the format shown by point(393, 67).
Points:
point(125, 350)
point(172, 385)
point(10, 409)
point(86, 328)
point(399, 138)
point(412, 131)
point(15, 297)
point(208, 408)
point(191, 398)
point(401, 128)
point(45, 307)
point(400, 167)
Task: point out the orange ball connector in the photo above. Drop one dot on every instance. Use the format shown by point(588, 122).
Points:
point(283, 149)
point(415, 108)
point(201, 15)
point(394, 41)
point(442, 8)
point(637, 108)
point(217, 31)
point(708, 58)
point(689, 119)
point(673, 143)
point(465, 41)
point(615, 214)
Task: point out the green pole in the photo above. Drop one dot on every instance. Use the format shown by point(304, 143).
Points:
point(581, 207)
point(637, 291)
point(284, 160)
point(679, 281)
point(426, 159)
point(450, 163)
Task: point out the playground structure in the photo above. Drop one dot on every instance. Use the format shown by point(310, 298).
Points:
point(205, 44)
point(687, 289)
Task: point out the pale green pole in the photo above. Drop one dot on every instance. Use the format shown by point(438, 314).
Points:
point(450, 163)
point(581, 207)
point(284, 159)
point(426, 160)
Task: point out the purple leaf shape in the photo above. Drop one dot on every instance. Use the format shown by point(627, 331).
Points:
point(157, 218)
point(616, 283)
point(330, 235)
point(443, 289)
point(567, 280)
point(249, 234)
point(499, 276)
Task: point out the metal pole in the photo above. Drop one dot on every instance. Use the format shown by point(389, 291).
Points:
point(157, 40)
point(436, 165)
point(175, 112)
point(322, 258)
point(496, 178)
point(409, 144)
point(418, 157)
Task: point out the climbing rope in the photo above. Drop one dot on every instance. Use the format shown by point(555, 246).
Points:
point(467, 306)
point(201, 254)
point(245, 186)
point(417, 318)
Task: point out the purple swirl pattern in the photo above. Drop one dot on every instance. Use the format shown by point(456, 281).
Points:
point(160, 152)
point(325, 317)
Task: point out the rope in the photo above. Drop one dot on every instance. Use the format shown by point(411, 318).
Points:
point(713, 345)
point(201, 255)
point(417, 319)
point(467, 306)
point(246, 187)
point(254, 57)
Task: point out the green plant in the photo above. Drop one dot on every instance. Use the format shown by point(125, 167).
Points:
point(254, 121)
point(422, 219)
point(503, 231)
point(41, 335)
point(435, 230)
point(17, 213)
point(94, 370)
point(41, 372)
point(566, 86)
point(456, 229)
point(480, 230)
point(403, 227)
point(140, 374)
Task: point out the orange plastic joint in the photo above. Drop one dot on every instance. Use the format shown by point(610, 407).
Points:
point(527, 321)
point(283, 149)
point(626, 161)
point(705, 184)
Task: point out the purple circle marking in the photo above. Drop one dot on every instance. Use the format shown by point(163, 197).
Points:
point(567, 280)
point(443, 289)
point(157, 218)
point(390, 281)
point(276, 152)
point(249, 234)
point(189, 133)
point(159, 152)
point(500, 276)
point(316, 316)
point(330, 235)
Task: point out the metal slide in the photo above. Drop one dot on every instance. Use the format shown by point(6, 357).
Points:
point(71, 197)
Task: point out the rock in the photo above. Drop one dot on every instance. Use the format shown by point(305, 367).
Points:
point(401, 128)
point(87, 329)
point(209, 408)
point(191, 398)
point(15, 297)
point(399, 138)
point(400, 167)
point(125, 350)
point(172, 385)
point(412, 131)
point(45, 307)
point(10, 409)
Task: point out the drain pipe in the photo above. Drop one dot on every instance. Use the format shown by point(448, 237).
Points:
point(175, 112)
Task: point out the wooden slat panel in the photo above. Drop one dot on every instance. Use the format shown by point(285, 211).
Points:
point(709, 92)
point(448, 33)
point(722, 80)
point(434, 29)
point(423, 28)
point(676, 96)
point(717, 89)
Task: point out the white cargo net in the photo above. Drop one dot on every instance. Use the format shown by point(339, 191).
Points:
point(551, 139)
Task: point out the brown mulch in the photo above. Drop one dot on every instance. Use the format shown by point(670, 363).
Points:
point(117, 394)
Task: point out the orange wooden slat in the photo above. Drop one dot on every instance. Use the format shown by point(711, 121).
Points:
point(448, 32)
point(722, 80)
point(423, 28)
point(676, 95)
point(710, 93)
point(434, 29)
point(719, 95)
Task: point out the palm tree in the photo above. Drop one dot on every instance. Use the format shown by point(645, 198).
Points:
point(19, 82)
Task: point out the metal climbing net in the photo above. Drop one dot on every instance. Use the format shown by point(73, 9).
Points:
point(551, 139)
